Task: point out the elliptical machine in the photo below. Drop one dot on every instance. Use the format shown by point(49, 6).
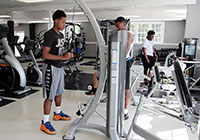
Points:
point(33, 73)
point(13, 77)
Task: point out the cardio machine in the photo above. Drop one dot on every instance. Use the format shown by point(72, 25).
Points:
point(33, 73)
point(13, 77)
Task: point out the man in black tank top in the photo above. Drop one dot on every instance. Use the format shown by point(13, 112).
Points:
point(53, 72)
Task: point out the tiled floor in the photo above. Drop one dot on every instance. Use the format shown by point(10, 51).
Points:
point(21, 120)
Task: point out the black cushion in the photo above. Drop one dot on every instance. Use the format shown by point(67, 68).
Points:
point(184, 91)
point(157, 73)
point(29, 45)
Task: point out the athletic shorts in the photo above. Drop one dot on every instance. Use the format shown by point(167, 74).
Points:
point(128, 66)
point(148, 65)
point(52, 81)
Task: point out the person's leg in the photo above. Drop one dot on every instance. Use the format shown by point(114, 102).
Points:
point(152, 63)
point(145, 71)
point(47, 91)
point(146, 81)
point(59, 114)
point(95, 80)
point(58, 103)
point(47, 107)
point(48, 95)
point(127, 98)
point(145, 66)
point(144, 61)
point(58, 100)
point(95, 84)
point(149, 73)
point(127, 91)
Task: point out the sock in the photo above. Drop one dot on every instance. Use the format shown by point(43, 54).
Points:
point(58, 109)
point(46, 118)
point(125, 111)
point(94, 89)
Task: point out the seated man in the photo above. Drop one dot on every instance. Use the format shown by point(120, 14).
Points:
point(95, 83)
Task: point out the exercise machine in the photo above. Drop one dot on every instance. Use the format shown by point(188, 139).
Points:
point(33, 72)
point(13, 77)
point(189, 109)
point(75, 40)
point(39, 39)
point(82, 123)
point(188, 47)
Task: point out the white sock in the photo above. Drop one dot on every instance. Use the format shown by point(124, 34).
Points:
point(125, 111)
point(58, 109)
point(46, 118)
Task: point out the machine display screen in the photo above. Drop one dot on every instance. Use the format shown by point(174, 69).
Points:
point(190, 49)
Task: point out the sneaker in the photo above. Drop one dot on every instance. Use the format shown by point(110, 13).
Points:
point(126, 117)
point(47, 128)
point(61, 116)
point(91, 92)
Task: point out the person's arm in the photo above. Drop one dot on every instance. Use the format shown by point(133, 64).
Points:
point(48, 41)
point(129, 41)
point(49, 56)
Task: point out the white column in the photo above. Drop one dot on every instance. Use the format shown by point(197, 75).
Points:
point(192, 28)
point(50, 20)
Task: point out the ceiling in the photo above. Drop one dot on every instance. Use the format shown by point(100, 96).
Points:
point(138, 10)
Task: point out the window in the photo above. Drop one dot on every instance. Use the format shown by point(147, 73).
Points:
point(140, 30)
point(21, 35)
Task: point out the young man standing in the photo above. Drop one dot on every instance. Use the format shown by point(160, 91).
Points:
point(53, 72)
point(148, 54)
point(120, 24)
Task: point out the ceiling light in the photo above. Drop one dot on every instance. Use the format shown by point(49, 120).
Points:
point(74, 13)
point(133, 16)
point(38, 21)
point(184, 11)
point(33, 1)
point(183, 16)
point(5, 16)
point(162, 19)
point(45, 18)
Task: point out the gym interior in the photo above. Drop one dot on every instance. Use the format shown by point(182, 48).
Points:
point(164, 104)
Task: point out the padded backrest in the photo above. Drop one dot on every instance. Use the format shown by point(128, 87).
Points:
point(157, 74)
point(183, 88)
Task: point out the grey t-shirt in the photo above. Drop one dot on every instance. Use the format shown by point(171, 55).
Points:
point(56, 42)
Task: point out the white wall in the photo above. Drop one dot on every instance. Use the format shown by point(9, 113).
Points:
point(39, 27)
point(23, 27)
point(90, 37)
point(174, 31)
point(192, 29)
point(193, 21)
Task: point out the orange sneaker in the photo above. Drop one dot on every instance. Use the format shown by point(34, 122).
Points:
point(61, 116)
point(48, 128)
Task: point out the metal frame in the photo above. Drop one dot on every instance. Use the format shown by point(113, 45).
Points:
point(116, 80)
point(13, 62)
point(82, 123)
point(137, 129)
